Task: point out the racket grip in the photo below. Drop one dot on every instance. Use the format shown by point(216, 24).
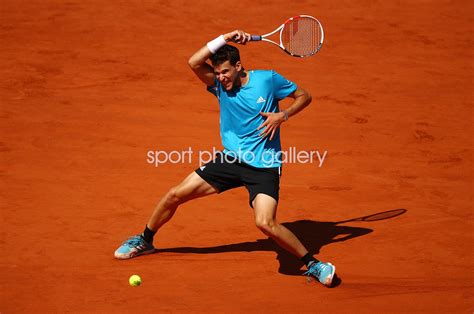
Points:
point(255, 37)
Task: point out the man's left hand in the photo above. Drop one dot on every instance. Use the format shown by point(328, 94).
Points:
point(271, 124)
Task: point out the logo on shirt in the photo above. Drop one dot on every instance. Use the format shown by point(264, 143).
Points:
point(260, 100)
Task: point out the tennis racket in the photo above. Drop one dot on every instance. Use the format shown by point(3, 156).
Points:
point(300, 36)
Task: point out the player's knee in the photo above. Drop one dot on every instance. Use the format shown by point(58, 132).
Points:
point(267, 226)
point(172, 197)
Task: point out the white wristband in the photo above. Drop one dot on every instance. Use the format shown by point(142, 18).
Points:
point(216, 44)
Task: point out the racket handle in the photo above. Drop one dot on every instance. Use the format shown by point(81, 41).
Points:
point(255, 37)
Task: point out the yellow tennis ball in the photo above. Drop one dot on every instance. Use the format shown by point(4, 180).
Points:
point(135, 281)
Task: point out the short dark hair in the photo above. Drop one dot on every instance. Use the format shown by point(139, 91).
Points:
point(226, 53)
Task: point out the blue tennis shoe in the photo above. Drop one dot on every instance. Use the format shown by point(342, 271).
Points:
point(134, 246)
point(324, 272)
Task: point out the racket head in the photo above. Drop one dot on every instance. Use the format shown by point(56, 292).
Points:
point(302, 36)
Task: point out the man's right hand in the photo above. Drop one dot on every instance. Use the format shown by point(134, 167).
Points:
point(237, 36)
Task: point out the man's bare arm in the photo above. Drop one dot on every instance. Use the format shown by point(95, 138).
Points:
point(201, 68)
point(301, 100)
point(273, 120)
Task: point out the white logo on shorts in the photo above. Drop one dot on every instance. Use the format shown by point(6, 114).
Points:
point(260, 100)
point(202, 168)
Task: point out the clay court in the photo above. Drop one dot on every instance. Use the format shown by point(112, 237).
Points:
point(89, 87)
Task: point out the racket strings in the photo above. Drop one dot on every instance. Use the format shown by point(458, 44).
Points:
point(302, 36)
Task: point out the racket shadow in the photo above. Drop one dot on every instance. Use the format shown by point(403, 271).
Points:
point(313, 234)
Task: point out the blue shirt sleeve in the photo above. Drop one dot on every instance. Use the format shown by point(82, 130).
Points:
point(281, 86)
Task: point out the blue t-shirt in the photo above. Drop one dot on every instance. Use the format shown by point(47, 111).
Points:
point(240, 117)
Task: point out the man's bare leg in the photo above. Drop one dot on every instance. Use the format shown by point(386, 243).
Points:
point(190, 188)
point(265, 208)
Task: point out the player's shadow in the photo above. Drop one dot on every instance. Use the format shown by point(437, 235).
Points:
point(313, 234)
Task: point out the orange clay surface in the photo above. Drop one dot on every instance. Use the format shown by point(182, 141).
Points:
point(89, 87)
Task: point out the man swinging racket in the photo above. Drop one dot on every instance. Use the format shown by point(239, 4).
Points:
point(249, 125)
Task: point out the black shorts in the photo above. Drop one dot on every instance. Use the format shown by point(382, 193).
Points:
point(225, 173)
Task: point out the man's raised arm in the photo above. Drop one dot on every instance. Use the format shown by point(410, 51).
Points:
point(197, 62)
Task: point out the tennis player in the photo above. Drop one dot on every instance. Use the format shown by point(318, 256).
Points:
point(250, 119)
